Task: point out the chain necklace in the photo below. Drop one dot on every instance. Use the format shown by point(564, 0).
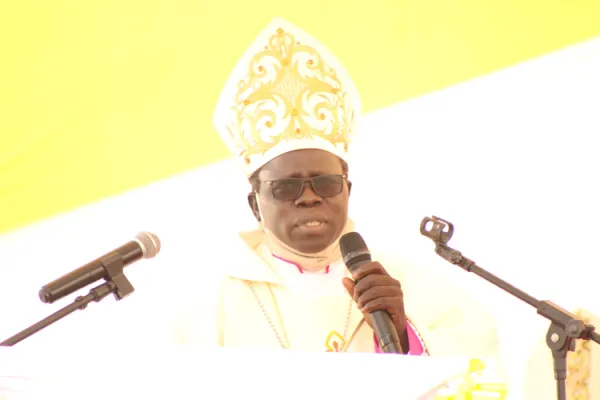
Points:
point(284, 341)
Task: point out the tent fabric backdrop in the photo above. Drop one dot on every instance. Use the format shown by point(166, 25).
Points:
point(97, 98)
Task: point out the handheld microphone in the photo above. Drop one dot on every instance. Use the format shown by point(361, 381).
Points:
point(355, 253)
point(144, 245)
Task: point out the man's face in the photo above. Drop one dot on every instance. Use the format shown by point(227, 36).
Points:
point(317, 215)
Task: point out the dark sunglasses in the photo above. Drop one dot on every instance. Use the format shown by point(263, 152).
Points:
point(292, 188)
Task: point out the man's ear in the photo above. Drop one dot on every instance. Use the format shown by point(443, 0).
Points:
point(253, 203)
point(349, 187)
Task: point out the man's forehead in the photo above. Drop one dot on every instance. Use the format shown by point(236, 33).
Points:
point(302, 163)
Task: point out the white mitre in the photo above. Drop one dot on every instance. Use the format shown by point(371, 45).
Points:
point(288, 92)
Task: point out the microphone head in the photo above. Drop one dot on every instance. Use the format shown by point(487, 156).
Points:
point(149, 243)
point(354, 248)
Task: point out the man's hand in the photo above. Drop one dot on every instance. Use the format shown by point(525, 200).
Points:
point(374, 289)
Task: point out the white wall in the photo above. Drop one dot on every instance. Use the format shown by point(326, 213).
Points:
point(510, 158)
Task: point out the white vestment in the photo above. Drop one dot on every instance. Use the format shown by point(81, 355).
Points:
point(251, 299)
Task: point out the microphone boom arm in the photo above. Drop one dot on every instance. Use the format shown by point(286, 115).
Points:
point(565, 327)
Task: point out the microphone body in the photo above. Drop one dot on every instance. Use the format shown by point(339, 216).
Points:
point(145, 245)
point(355, 254)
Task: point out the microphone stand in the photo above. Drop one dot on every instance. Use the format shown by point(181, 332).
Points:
point(565, 327)
point(116, 283)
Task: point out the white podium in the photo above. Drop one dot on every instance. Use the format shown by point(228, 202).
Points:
point(187, 373)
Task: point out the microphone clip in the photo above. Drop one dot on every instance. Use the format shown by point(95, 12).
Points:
point(121, 286)
point(440, 230)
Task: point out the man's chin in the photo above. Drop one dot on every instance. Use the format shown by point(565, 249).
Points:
point(312, 244)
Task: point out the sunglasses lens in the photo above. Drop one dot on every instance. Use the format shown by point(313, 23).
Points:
point(287, 189)
point(328, 185)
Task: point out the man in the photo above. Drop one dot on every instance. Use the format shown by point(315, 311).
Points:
point(288, 113)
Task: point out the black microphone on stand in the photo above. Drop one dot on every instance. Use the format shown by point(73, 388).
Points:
point(144, 245)
point(565, 327)
point(108, 267)
point(355, 253)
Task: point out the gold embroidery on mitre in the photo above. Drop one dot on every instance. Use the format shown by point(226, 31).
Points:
point(289, 93)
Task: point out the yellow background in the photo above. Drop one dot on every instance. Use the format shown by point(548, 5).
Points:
point(97, 97)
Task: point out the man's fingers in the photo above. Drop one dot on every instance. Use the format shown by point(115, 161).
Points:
point(369, 269)
point(372, 281)
point(349, 285)
point(381, 303)
point(375, 293)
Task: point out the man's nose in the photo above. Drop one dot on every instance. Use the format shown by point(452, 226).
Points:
point(308, 198)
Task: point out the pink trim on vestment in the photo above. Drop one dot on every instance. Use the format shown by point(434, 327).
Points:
point(296, 265)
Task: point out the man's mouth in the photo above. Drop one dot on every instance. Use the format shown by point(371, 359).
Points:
point(312, 224)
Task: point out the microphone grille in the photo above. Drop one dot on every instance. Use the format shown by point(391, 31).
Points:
point(351, 245)
point(149, 242)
